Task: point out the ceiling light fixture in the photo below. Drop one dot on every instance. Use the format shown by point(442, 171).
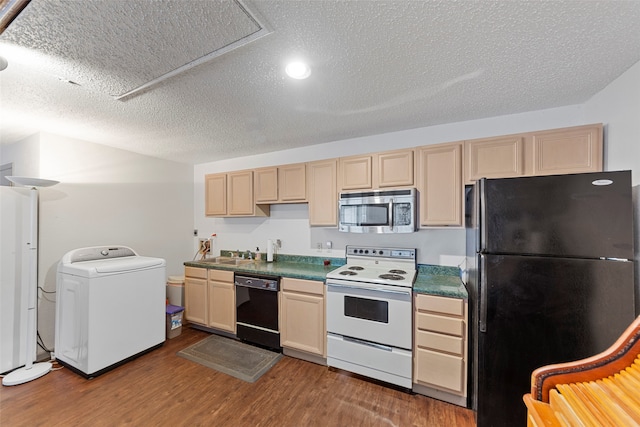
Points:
point(298, 70)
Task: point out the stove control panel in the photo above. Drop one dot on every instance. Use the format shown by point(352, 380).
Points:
point(375, 252)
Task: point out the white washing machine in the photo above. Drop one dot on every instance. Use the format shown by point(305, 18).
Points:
point(110, 307)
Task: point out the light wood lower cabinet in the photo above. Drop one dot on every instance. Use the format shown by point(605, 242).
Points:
point(221, 301)
point(440, 348)
point(210, 298)
point(195, 295)
point(302, 316)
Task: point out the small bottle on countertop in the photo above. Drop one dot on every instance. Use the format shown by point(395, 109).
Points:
point(258, 254)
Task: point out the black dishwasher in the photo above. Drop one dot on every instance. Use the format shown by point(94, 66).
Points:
point(257, 310)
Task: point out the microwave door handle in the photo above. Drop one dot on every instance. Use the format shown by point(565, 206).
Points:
point(391, 214)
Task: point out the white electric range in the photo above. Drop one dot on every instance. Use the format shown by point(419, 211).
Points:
point(369, 310)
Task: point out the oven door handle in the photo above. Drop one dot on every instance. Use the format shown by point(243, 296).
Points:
point(386, 291)
point(367, 343)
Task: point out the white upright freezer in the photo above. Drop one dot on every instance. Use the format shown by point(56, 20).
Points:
point(110, 307)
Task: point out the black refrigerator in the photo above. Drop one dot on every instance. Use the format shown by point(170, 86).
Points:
point(550, 279)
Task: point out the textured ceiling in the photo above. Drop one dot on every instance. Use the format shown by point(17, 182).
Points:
point(377, 66)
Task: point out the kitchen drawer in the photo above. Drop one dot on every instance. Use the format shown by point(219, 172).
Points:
point(304, 286)
point(440, 342)
point(440, 370)
point(221, 275)
point(452, 306)
point(435, 323)
point(199, 273)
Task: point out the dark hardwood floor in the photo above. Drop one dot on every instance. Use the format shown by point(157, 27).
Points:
point(160, 388)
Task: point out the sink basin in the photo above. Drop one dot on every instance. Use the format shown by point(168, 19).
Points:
point(227, 261)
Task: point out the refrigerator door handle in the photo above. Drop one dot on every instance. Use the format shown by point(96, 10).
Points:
point(481, 236)
point(483, 294)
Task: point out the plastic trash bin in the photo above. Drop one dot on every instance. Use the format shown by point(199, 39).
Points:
point(175, 290)
point(174, 320)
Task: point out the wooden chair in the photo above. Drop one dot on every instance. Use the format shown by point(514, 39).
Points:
point(603, 390)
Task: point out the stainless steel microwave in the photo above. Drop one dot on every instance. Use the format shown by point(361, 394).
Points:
point(383, 211)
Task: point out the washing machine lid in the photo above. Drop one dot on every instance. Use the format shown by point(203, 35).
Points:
point(105, 260)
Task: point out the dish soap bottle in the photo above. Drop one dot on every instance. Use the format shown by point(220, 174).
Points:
point(258, 254)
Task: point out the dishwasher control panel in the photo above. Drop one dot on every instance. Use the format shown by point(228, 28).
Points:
point(266, 283)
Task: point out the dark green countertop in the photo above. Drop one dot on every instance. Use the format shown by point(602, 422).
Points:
point(297, 267)
point(431, 279)
point(441, 281)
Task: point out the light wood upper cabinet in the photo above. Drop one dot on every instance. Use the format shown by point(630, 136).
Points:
point(323, 196)
point(302, 316)
point(440, 184)
point(282, 184)
point(231, 194)
point(494, 158)
point(558, 151)
point(571, 150)
point(378, 170)
point(215, 194)
point(265, 185)
point(292, 183)
point(395, 169)
point(354, 173)
point(240, 195)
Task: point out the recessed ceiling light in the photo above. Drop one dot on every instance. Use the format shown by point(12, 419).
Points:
point(298, 70)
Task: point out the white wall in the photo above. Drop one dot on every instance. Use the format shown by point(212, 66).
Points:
point(618, 105)
point(107, 196)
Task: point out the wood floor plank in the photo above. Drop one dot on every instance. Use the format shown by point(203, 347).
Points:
point(160, 388)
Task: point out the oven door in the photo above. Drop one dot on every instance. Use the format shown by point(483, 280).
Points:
point(376, 313)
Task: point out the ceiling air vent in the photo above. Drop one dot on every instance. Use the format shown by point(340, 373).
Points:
point(123, 48)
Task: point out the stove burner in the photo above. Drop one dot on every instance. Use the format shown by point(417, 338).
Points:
point(397, 272)
point(391, 277)
point(356, 267)
point(348, 273)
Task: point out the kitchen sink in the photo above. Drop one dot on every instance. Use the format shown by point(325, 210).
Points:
point(227, 260)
